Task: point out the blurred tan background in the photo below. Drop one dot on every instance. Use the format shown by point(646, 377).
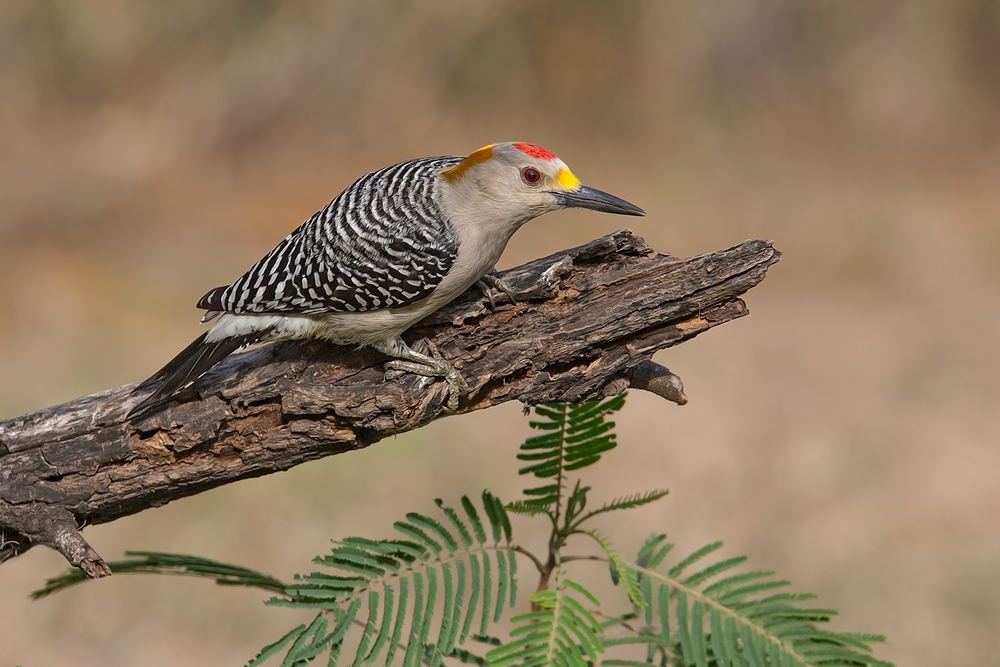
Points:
point(845, 434)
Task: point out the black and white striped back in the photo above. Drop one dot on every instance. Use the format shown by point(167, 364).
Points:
point(382, 243)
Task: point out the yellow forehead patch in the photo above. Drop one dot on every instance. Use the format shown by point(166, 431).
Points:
point(566, 179)
point(482, 155)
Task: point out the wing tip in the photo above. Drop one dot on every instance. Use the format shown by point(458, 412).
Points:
point(213, 299)
point(186, 367)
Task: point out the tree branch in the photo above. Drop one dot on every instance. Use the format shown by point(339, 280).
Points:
point(585, 325)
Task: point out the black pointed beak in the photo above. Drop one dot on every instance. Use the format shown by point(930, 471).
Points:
point(596, 200)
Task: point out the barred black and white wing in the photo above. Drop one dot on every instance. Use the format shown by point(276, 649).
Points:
point(383, 243)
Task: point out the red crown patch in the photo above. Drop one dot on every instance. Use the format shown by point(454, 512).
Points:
point(535, 151)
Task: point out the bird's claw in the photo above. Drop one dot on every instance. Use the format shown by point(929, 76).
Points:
point(491, 281)
point(487, 292)
point(457, 386)
point(438, 367)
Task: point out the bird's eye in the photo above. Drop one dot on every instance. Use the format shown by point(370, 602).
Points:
point(530, 176)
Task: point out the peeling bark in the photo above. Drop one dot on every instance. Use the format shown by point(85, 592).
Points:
point(585, 325)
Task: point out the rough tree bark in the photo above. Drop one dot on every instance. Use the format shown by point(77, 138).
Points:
point(585, 325)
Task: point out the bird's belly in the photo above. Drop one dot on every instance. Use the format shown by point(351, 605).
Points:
point(375, 326)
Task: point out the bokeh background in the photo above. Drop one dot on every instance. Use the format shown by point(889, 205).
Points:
point(845, 434)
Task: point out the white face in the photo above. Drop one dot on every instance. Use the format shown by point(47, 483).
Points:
point(523, 181)
point(511, 183)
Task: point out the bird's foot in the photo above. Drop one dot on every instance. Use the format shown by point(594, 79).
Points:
point(490, 282)
point(434, 366)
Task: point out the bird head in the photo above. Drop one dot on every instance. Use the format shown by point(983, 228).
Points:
point(522, 181)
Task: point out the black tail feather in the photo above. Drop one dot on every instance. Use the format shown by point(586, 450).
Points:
point(188, 366)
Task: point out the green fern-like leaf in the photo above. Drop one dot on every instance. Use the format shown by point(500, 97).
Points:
point(653, 551)
point(413, 600)
point(621, 570)
point(529, 507)
point(563, 631)
point(574, 437)
point(275, 648)
point(423, 594)
point(578, 435)
point(223, 574)
point(626, 502)
point(711, 616)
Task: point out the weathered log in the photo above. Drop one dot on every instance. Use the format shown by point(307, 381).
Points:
point(585, 325)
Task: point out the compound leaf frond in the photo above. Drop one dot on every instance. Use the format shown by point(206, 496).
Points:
point(704, 619)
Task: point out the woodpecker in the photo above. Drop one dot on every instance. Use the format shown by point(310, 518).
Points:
point(395, 246)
